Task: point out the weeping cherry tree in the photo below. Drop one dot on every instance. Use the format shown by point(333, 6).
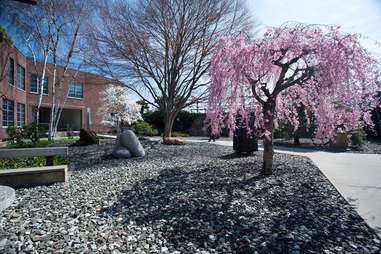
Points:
point(320, 68)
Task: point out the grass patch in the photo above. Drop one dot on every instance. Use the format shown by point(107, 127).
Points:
point(28, 162)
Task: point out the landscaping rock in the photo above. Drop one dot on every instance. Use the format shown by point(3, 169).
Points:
point(129, 140)
point(121, 152)
point(87, 137)
point(7, 195)
point(173, 141)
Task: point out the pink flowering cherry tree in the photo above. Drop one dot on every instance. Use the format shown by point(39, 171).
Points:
point(323, 69)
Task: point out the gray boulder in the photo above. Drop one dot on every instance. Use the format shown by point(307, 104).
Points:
point(121, 152)
point(129, 140)
point(7, 195)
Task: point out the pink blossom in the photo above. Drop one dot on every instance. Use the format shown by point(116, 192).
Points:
point(332, 76)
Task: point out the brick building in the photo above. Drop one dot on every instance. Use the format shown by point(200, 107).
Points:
point(20, 92)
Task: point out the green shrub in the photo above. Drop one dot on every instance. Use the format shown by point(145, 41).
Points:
point(27, 162)
point(19, 136)
point(358, 137)
point(183, 122)
point(144, 129)
point(155, 118)
point(16, 135)
point(34, 132)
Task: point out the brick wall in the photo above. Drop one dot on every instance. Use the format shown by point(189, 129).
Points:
point(93, 85)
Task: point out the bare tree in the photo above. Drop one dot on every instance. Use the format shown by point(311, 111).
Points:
point(161, 49)
point(67, 36)
point(6, 50)
point(51, 31)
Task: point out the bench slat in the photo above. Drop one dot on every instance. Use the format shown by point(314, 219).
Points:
point(30, 177)
point(28, 152)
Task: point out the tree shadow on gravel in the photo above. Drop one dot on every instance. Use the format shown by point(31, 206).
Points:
point(233, 209)
point(229, 207)
point(235, 156)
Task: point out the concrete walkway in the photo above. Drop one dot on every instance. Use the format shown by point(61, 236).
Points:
point(356, 176)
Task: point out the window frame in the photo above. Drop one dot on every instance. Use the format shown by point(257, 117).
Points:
point(38, 77)
point(18, 77)
point(7, 115)
point(18, 114)
point(11, 72)
point(75, 84)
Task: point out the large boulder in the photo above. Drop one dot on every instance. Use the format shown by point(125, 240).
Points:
point(121, 152)
point(7, 195)
point(129, 140)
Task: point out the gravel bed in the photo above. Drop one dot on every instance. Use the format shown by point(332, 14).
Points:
point(197, 198)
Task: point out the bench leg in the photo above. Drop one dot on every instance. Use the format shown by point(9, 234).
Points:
point(49, 160)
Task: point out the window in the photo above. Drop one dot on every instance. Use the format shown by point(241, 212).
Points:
point(20, 115)
point(20, 77)
point(75, 90)
point(11, 71)
point(8, 113)
point(35, 84)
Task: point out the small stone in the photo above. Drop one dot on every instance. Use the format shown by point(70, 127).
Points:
point(3, 242)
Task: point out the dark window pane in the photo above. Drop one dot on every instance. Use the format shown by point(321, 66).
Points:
point(75, 90)
point(20, 115)
point(35, 84)
point(11, 71)
point(46, 85)
point(20, 77)
point(8, 113)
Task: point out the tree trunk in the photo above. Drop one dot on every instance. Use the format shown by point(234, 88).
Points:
point(41, 91)
point(268, 150)
point(51, 121)
point(169, 119)
point(52, 109)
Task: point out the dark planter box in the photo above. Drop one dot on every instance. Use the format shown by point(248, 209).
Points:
point(244, 143)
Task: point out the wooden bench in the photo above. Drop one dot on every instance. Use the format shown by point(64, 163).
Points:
point(29, 177)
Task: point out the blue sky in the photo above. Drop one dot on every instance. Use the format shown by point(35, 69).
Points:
point(354, 16)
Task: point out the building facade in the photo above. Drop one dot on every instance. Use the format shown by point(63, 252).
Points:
point(79, 96)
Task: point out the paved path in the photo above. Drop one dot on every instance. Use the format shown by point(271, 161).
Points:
point(356, 176)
